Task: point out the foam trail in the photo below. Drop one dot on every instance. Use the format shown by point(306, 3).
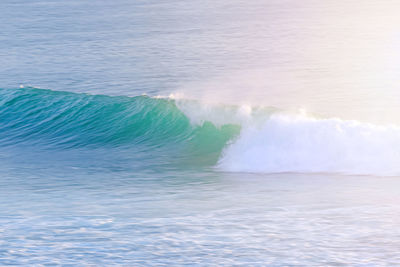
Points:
point(302, 144)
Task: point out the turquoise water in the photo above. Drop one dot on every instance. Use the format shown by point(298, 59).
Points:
point(142, 133)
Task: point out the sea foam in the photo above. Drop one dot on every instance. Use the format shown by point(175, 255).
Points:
point(298, 143)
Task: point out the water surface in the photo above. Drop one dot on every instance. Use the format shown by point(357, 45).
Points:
point(199, 133)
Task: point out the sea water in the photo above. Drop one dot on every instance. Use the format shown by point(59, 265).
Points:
point(210, 133)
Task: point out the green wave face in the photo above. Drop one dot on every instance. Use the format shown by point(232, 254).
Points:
point(61, 120)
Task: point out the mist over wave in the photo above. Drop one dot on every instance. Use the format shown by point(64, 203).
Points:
point(274, 140)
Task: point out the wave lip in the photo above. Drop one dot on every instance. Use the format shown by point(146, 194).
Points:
point(299, 143)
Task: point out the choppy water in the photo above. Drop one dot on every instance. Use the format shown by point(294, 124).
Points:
point(199, 133)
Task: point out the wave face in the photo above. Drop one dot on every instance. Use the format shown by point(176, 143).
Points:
point(230, 138)
point(62, 120)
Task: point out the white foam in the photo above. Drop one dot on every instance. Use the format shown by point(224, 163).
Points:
point(285, 143)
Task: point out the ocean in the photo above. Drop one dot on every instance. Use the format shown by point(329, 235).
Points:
point(199, 133)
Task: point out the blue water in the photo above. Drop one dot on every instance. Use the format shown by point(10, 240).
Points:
point(142, 133)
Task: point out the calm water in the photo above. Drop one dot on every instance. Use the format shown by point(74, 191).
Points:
point(199, 133)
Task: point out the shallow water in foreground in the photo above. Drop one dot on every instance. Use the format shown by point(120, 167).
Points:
point(110, 213)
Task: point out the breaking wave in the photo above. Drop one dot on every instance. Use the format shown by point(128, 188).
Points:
point(230, 138)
